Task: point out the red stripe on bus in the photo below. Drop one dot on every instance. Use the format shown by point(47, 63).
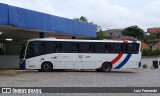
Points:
point(117, 58)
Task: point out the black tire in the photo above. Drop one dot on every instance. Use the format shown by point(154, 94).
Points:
point(46, 67)
point(106, 67)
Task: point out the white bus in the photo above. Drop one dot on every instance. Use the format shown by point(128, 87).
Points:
point(49, 53)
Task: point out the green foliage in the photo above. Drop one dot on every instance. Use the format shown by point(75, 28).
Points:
point(134, 31)
point(144, 66)
point(156, 34)
point(152, 36)
point(82, 19)
point(150, 52)
point(100, 33)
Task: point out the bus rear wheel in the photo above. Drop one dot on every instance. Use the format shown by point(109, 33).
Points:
point(106, 67)
point(46, 67)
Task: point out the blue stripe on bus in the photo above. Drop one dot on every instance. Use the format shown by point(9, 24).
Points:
point(24, 64)
point(124, 61)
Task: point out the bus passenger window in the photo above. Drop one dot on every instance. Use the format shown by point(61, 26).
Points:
point(133, 48)
point(125, 50)
point(60, 48)
point(116, 48)
point(106, 48)
point(43, 49)
point(56, 48)
point(75, 48)
point(91, 48)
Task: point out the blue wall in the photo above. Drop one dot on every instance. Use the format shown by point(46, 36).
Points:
point(24, 18)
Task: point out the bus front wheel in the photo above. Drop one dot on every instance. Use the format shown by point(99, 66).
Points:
point(46, 67)
point(106, 67)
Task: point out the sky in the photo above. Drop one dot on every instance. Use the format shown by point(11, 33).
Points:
point(109, 14)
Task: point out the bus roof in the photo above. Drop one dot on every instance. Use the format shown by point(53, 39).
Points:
point(80, 40)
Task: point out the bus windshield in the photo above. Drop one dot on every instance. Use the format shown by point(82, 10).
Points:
point(22, 50)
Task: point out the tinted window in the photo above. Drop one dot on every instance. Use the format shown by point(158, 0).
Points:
point(67, 47)
point(87, 47)
point(32, 49)
point(116, 47)
point(99, 47)
point(107, 48)
point(43, 48)
point(58, 47)
point(133, 48)
point(76, 48)
point(40, 48)
point(102, 48)
point(91, 48)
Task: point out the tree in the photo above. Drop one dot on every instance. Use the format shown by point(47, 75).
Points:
point(134, 31)
point(81, 19)
point(100, 33)
point(152, 36)
point(157, 35)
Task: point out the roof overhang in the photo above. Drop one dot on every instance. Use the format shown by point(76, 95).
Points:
point(29, 20)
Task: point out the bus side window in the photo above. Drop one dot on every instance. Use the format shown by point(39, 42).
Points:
point(133, 48)
point(125, 48)
point(43, 48)
point(90, 48)
point(116, 48)
point(76, 48)
point(107, 48)
point(58, 47)
point(99, 47)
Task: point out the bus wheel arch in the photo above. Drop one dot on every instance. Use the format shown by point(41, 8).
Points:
point(106, 66)
point(46, 66)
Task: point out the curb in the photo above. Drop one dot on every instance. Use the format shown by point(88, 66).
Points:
point(16, 72)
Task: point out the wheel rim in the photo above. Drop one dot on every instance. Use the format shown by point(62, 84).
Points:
point(46, 66)
point(107, 67)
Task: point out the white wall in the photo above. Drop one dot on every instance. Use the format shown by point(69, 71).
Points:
point(148, 61)
point(9, 62)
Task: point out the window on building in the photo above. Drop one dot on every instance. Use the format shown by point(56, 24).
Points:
point(151, 46)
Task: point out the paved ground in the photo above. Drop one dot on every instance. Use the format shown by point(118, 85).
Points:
point(120, 78)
